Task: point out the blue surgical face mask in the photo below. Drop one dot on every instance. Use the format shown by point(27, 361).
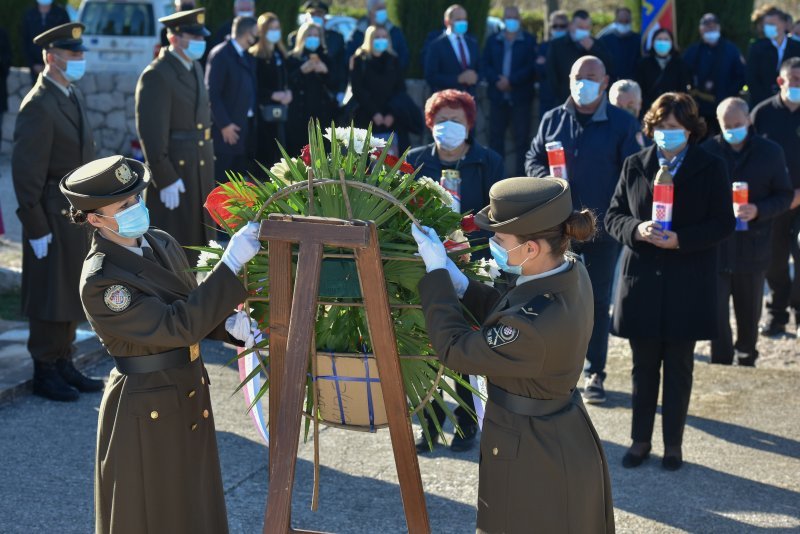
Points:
point(74, 70)
point(556, 34)
point(319, 21)
point(133, 222)
point(580, 34)
point(460, 27)
point(711, 37)
point(195, 49)
point(735, 136)
point(584, 92)
point(44, 2)
point(512, 25)
point(500, 255)
point(793, 95)
point(381, 16)
point(380, 44)
point(449, 134)
point(770, 31)
point(312, 42)
point(669, 140)
point(662, 46)
point(273, 36)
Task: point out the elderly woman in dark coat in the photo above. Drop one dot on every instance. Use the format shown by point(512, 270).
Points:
point(666, 297)
point(542, 465)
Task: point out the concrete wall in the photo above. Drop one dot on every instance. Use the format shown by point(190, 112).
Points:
point(110, 99)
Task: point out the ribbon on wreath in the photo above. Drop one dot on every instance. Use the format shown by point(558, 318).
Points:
point(247, 364)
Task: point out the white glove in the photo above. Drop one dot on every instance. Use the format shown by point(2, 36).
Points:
point(430, 248)
point(459, 279)
point(171, 195)
point(39, 246)
point(243, 246)
point(242, 327)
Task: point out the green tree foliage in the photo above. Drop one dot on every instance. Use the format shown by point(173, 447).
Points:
point(12, 24)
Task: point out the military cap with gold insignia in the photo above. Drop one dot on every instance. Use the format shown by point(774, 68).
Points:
point(104, 181)
point(192, 21)
point(67, 36)
point(523, 206)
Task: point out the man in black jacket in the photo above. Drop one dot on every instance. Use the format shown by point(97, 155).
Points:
point(744, 256)
point(766, 55)
point(778, 119)
point(36, 20)
point(565, 51)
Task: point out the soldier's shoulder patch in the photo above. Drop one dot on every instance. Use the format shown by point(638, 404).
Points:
point(117, 298)
point(536, 306)
point(95, 263)
point(500, 334)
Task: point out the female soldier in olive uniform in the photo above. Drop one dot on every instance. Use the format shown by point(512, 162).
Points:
point(157, 462)
point(542, 465)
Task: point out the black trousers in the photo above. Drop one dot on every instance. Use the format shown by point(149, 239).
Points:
point(747, 290)
point(678, 362)
point(464, 419)
point(519, 117)
point(50, 341)
point(784, 291)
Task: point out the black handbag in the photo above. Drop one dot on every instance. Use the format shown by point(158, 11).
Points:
point(274, 112)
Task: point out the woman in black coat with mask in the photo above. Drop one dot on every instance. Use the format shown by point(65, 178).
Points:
point(662, 70)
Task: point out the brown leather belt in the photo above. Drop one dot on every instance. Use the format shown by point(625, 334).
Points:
point(132, 365)
point(528, 406)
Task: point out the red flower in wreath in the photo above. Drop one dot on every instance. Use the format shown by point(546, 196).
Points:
point(417, 201)
point(305, 155)
point(219, 199)
point(468, 224)
point(391, 161)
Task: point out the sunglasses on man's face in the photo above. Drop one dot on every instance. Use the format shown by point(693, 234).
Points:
point(559, 26)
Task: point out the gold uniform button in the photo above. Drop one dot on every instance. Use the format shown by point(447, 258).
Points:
point(199, 125)
point(200, 143)
point(202, 162)
point(194, 426)
point(154, 415)
point(181, 163)
point(205, 414)
point(495, 451)
point(191, 394)
point(202, 380)
point(64, 212)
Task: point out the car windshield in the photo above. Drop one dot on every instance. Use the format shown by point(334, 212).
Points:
point(119, 19)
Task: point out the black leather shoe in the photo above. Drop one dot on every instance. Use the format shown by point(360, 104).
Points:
point(635, 459)
point(672, 461)
point(76, 379)
point(422, 444)
point(467, 441)
point(772, 329)
point(48, 383)
point(746, 361)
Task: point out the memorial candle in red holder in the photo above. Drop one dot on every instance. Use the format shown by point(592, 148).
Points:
point(556, 159)
point(740, 198)
point(663, 193)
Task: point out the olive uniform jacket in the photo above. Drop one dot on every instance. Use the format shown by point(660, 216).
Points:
point(537, 474)
point(157, 462)
point(52, 137)
point(173, 119)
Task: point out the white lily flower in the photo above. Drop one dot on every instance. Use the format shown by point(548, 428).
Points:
point(359, 139)
point(440, 192)
point(205, 257)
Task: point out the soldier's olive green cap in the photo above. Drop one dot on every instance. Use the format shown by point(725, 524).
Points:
point(192, 21)
point(104, 181)
point(67, 36)
point(522, 206)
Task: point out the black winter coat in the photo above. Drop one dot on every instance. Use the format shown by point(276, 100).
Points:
point(313, 95)
point(761, 164)
point(670, 294)
point(375, 82)
point(655, 81)
point(762, 68)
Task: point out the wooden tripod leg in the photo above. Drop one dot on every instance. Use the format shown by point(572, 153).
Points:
point(293, 382)
point(280, 295)
point(384, 345)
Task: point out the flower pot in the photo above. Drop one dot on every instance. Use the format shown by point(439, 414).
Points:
point(349, 391)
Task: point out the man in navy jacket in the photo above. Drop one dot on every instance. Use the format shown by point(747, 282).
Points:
point(231, 83)
point(509, 66)
point(765, 56)
point(452, 59)
point(597, 137)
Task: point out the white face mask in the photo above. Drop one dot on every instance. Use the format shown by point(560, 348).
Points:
point(449, 134)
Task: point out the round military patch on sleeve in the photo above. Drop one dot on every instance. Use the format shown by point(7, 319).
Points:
point(500, 334)
point(117, 298)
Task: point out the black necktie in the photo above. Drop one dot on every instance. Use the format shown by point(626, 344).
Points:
point(147, 252)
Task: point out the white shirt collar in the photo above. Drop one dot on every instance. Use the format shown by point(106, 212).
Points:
point(527, 278)
point(65, 90)
point(138, 250)
point(187, 64)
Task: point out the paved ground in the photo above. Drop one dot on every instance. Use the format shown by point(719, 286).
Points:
point(742, 447)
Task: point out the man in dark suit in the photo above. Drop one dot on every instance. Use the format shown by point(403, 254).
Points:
point(38, 19)
point(52, 136)
point(565, 51)
point(623, 44)
point(509, 66)
point(231, 83)
point(766, 55)
point(744, 256)
point(241, 8)
point(452, 59)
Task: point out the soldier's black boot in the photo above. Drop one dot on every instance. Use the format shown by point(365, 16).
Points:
point(78, 380)
point(464, 443)
point(48, 383)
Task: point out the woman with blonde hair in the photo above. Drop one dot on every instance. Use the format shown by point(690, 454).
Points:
point(273, 93)
point(311, 83)
point(379, 88)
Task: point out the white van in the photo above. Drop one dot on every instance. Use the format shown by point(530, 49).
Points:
point(122, 35)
